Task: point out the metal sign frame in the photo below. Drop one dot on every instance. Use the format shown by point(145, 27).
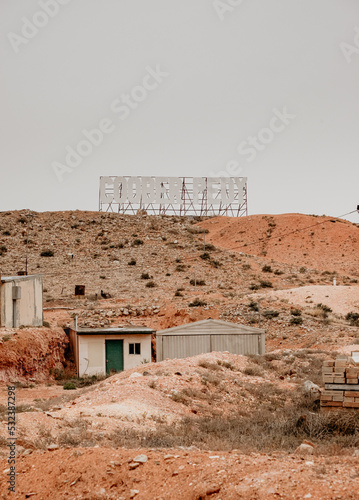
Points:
point(181, 196)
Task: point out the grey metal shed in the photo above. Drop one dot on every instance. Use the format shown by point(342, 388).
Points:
point(209, 335)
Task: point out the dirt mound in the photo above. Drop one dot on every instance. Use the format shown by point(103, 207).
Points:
point(31, 352)
point(324, 243)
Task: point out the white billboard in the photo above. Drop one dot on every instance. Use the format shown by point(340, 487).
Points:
point(177, 195)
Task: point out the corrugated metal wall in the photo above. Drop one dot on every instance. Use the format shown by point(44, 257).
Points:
point(184, 346)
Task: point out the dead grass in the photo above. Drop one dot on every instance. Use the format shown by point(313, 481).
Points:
point(258, 431)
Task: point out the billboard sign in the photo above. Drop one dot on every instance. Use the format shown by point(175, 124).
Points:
point(174, 195)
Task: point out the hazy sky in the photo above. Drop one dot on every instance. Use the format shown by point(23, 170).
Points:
point(181, 88)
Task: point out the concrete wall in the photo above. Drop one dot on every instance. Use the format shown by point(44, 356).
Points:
point(25, 311)
point(93, 347)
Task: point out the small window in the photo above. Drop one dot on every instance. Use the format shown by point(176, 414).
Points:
point(135, 348)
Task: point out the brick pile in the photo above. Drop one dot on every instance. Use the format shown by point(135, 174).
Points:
point(341, 387)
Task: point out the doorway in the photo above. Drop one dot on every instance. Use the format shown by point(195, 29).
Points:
point(114, 356)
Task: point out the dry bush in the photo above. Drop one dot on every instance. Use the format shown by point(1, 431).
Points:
point(44, 437)
point(254, 370)
point(77, 433)
point(226, 364)
point(203, 363)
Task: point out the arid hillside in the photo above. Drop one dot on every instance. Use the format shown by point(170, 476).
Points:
point(164, 271)
point(324, 243)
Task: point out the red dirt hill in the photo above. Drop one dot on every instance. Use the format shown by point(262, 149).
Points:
point(324, 243)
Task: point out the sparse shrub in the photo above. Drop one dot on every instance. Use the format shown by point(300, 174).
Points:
point(178, 294)
point(353, 318)
point(179, 397)
point(197, 282)
point(132, 262)
point(6, 233)
point(180, 268)
point(151, 284)
point(277, 272)
point(267, 269)
point(324, 308)
point(254, 370)
point(253, 286)
point(137, 242)
point(47, 253)
point(225, 364)
point(205, 256)
point(296, 320)
point(265, 284)
point(3, 249)
point(296, 312)
point(246, 267)
point(203, 363)
point(178, 260)
point(216, 263)
point(197, 303)
point(302, 270)
point(197, 230)
point(269, 314)
point(145, 276)
point(46, 324)
point(209, 246)
point(69, 386)
point(22, 220)
point(253, 306)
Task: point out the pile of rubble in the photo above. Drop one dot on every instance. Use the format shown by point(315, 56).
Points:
point(104, 317)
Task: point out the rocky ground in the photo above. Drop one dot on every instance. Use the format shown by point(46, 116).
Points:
point(178, 474)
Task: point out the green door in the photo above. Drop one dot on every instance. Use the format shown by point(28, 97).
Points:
point(114, 356)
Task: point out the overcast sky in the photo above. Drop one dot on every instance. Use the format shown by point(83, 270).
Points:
point(181, 88)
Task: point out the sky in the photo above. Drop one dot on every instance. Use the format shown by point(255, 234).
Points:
point(266, 89)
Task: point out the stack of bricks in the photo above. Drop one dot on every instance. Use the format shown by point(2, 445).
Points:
point(341, 387)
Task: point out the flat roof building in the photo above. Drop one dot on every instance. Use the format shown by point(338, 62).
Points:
point(100, 351)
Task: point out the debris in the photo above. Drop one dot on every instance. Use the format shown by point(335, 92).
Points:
point(53, 447)
point(140, 459)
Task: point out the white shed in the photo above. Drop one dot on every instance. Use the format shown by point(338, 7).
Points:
point(21, 301)
point(209, 335)
point(108, 350)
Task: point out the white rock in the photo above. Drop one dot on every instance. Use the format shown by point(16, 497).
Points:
point(356, 453)
point(135, 375)
point(311, 388)
point(140, 459)
point(53, 447)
